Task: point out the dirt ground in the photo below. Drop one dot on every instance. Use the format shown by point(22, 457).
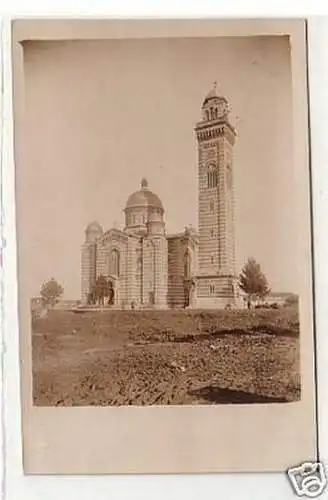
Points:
point(166, 357)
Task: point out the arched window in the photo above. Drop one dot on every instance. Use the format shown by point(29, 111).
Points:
point(139, 264)
point(207, 113)
point(212, 178)
point(187, 265)
point(229, 176)
point(115, 262)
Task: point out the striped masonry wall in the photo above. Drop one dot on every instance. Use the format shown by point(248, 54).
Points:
point(180, 247)
point(216, 254)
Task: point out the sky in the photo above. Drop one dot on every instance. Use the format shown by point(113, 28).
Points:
point(100, 115)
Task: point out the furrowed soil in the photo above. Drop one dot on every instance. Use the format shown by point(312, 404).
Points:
point(166, 357)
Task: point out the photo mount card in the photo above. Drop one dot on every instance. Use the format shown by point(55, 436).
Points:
point(164, 246)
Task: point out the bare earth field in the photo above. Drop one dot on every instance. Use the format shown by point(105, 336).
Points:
point(166, 357)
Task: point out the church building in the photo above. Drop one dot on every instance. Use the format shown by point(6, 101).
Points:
point(148, 268)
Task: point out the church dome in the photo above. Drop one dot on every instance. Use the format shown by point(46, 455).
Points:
point(93, 231)
point(144, 198)
point(93, 227)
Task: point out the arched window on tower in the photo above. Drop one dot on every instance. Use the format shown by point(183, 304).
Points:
point(212, 178)
point(139, 265)
point(229, 176)
point(115, 262)
point(187, 265)
point(207, 114)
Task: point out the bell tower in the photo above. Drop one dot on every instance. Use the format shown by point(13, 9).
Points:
point(216, 280)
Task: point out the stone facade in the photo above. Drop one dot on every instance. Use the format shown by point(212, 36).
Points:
point(148, 268)
point(135, 259)
point(182, 264)
point(216, 282)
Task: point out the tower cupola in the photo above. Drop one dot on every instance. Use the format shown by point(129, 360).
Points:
point(214, 107)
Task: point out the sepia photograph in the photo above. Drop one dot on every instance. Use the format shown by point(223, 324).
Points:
point(165, 253)
point(178, 291)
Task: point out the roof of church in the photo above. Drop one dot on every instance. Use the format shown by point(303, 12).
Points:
point(93, 227)
point(212, 95)
point(144, 198)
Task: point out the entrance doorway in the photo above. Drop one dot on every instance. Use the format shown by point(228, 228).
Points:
point(189, 286)
point(151, 298)
point(186, 296)
point(111, 294)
